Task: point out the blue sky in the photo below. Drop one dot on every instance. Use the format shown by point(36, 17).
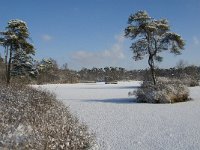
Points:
point(90, 33)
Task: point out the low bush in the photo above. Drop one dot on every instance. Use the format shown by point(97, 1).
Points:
point(34, 119)
point(165, 91)
point(189, 80)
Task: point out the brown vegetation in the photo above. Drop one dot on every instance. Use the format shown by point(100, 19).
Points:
point(34, 119)
point(165, 91)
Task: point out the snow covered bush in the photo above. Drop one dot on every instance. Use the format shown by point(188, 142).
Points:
point(34, 119)
point(189, 80)
point(165, 91)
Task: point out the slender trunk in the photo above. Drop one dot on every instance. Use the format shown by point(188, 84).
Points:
point(150, 60)
point(6, 57)
point(9, 67)
point(152, 68)
point(6, 61)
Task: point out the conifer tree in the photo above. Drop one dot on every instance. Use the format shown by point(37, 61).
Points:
point(15, 41)
point(151, 37)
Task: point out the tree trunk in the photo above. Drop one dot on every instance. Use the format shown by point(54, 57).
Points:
point(152, 68)
point(6, 62)
point(151, 61)
point(8, 73)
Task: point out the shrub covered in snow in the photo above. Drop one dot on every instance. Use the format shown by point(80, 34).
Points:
point(34, 119)
point(166, 91)
point(189, 80)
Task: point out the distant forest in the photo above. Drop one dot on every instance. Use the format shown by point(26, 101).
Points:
point(51, 73)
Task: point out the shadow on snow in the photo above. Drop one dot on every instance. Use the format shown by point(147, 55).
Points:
point(112, 87)
point(114, 100)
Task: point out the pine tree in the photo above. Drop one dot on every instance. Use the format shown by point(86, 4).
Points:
point(17, 47)
point(150, 37)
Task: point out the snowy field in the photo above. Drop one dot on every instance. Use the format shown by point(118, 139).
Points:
point(122, 124)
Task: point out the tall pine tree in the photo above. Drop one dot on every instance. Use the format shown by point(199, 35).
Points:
point(18, 50)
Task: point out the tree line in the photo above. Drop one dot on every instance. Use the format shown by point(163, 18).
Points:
point(150, 38)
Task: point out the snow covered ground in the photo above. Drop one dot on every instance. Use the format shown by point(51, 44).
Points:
point(122, 124)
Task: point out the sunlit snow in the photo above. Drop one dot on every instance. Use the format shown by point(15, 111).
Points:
point(122, 124)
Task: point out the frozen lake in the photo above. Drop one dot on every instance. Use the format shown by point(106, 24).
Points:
point(122, 124)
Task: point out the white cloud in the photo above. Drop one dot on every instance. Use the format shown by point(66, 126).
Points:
point(46, 37)
point(196, 40)
point(120, 38)
point(79, 55)
point(110, 56)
